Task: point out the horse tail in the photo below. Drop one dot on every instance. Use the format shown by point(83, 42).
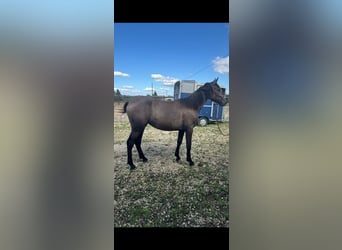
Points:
point(124, 107)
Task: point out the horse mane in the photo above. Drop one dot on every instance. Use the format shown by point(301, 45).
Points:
point(197, 98)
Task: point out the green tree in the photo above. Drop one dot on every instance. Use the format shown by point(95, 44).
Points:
point(117, 95)
point(154, 93)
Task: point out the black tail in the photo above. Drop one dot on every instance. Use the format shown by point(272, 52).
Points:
point(125, 107)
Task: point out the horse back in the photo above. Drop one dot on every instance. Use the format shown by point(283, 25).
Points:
point(138, 110)
point(171, 115)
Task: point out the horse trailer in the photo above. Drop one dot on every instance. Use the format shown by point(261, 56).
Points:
point(211, 111)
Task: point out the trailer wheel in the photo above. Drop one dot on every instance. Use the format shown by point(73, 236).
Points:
point(203, 121)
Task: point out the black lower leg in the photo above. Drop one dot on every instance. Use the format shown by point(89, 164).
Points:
point(138, 145)
point(179, 142)
point(188, 146)
point(130, 144)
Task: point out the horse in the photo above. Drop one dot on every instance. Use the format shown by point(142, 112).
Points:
point(181, 115)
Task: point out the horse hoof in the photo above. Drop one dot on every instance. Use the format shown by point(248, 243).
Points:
point(191, 163)
point(132, 167)
point(178, 159)
point(144, 159)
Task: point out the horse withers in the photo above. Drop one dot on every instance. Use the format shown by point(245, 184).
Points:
point(181, 115)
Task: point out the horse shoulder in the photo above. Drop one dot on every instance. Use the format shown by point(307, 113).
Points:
point(189, 117)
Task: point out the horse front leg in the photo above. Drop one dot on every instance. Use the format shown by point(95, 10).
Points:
point(188, 146)
point(179, 142)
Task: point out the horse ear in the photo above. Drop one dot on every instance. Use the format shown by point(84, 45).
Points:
point(215, 80)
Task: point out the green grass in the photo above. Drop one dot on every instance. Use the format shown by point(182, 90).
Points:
point(188, 199)
point(163, 193)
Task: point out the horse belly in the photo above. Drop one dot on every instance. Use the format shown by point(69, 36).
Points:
point(166, 121)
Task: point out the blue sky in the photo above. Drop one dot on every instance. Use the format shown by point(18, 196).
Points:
point(162, 53)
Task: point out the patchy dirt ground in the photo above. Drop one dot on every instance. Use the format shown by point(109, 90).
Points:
point(166, 193)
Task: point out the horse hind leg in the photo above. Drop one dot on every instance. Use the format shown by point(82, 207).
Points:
point(132, 139)
point(130, 144)
point(135, 139)
point(138, 145)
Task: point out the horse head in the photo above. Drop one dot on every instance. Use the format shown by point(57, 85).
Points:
point(214, 92)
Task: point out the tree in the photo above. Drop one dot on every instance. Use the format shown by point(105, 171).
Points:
point(117, 95)
point(154, 93)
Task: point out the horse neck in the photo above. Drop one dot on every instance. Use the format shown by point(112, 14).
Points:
point(196, 100)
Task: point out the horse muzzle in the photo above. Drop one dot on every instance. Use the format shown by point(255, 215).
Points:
point(224, 102)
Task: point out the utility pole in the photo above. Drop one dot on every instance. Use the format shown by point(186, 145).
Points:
point(152, 90)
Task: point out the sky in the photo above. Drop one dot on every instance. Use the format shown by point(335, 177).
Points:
point(159, 54)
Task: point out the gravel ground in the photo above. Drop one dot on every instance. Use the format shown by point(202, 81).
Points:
point(166, 193)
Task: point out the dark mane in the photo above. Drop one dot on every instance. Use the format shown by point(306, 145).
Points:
point(197, 99)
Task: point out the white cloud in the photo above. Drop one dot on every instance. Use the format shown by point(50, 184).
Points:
point(127, 87)
point(118, 73)
point(166, 80)
point(148, 89)
point(221, 64)
point(156, 76)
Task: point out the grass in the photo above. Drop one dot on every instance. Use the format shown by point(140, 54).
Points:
point(164, 193)
point(186, 200)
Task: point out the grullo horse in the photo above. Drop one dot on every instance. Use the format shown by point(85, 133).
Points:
point(181, 115)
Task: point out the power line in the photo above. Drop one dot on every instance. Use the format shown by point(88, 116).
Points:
point(203, 68)
point(152, 89)
point(198, 71)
